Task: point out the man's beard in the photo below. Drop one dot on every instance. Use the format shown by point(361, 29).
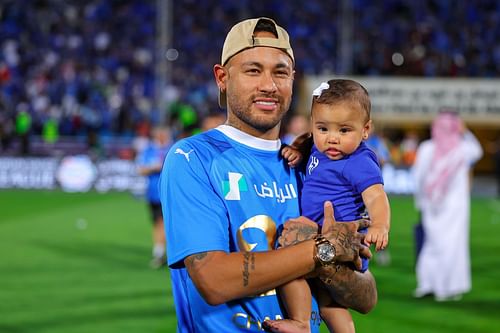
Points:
point(261, 122)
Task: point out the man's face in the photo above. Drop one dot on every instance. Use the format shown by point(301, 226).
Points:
point(258, 83)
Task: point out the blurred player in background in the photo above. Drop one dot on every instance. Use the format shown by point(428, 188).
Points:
point(377, 142)
point(149, 164)
point(442, 194)
point(212, 120)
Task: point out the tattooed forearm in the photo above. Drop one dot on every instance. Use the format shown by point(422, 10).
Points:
point(350, 288)
point(195, 259)
point(248, 265)
point(328, 275)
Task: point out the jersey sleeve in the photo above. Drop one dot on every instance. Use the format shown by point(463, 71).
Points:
point(363, 171)
point(194, 214)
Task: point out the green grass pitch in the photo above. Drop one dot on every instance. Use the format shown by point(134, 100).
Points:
point(78, 263)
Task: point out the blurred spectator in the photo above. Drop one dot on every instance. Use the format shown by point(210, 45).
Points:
point(493, 147)
point(377, 142)
point(23, 130)
point(212, 120)
point(409, 147)
point(149, 164)
point(442, 195)
point(6, 129)
point(183, 120)
point(50, 132)
point(295, 125)
point(91, 64)
point(141, 139)
point(94, 146)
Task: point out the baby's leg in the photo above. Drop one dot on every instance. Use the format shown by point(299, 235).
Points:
point(336, 317)
point(296, 297)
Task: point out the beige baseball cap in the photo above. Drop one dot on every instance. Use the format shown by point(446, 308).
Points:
point(241, 37)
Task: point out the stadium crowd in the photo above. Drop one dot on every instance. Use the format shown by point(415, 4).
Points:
point(74, 68)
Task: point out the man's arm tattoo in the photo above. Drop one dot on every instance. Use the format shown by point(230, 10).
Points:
point(348, 289)
point(248, 265)
point(195, 260)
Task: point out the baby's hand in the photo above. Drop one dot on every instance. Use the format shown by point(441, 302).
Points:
point(377, 235)
point(292, 155)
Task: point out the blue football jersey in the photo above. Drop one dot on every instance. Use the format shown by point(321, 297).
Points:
point(224, 190)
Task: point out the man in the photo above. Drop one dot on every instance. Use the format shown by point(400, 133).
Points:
point(226, 193)
point(442, 172)
point(149, 164)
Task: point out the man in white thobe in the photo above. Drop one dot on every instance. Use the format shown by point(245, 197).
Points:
point(442, 177)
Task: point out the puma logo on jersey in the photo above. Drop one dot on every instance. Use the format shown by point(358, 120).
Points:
point(182, 152)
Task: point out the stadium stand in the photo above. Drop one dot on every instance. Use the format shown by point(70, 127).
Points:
point(89, 65)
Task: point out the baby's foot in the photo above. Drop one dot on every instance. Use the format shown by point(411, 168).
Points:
point(286, 326)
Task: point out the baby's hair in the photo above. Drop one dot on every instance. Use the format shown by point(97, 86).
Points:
point(343, 90)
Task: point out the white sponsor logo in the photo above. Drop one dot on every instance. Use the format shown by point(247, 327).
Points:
point(281, 194)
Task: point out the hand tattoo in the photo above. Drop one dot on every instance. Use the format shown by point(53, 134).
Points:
point(296, 232)
point(347, 240)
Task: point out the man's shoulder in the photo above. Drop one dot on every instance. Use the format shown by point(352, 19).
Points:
point(204, 145)
point(209, 139)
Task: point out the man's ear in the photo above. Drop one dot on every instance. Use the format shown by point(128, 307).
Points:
point(220, 73)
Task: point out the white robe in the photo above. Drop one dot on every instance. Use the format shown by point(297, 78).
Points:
point(443, 266)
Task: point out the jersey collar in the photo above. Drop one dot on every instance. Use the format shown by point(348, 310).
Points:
point(249, 140)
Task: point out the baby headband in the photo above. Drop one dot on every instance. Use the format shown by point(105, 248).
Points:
point(323, 86)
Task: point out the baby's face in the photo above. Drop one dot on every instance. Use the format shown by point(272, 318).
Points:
point(338, 129)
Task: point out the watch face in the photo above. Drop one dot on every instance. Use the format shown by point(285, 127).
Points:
point(326, 252)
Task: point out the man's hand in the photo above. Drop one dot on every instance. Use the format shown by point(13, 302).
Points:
point(345, 237)
point(297, 230)
point(350, 288)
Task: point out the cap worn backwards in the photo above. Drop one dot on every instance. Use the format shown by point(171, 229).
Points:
point(241, 37)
